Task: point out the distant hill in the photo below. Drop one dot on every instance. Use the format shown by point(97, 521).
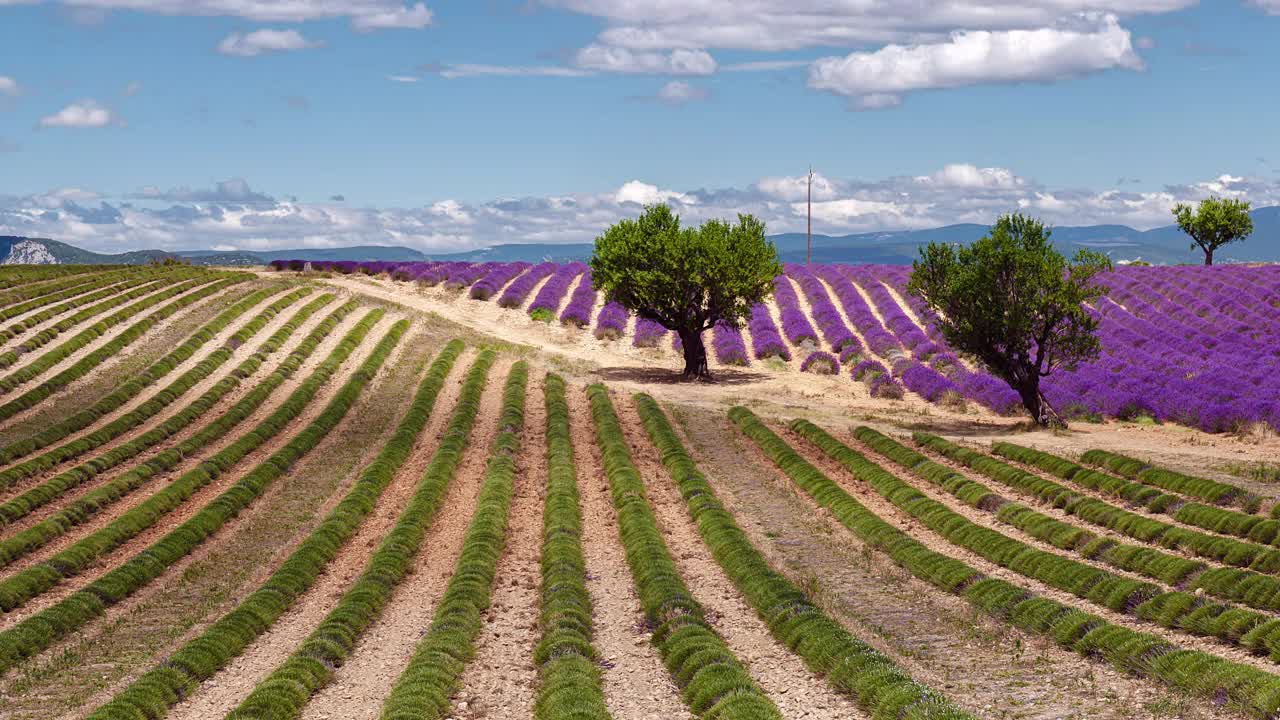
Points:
point(1164, 245)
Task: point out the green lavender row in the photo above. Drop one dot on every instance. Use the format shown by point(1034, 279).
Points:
point(15, 276)
point(1140, 527)
point(1209, 490)
point(134, 385)
point(89, 290)
point(569, 687)
point(286, 691)
point(1198, 673)
point(713, 682)
point(423, 689)
point(21, 587)
point(36, 287)
point(99, 498)
point(86, 364)
point(156, 691)
point(46, 627)
point(1257, 632)
point(848, 664)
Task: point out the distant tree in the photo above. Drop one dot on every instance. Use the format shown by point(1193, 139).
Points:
point(688, 279)
point(1014, 302)
point(1216, 222)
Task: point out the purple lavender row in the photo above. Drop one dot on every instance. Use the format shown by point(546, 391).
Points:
point(825, 314)
point(611, 323)
point(794, 323)
point(649, 333)
point(461, 275)
point(878, 340)
point(764, 335)
point(518, 291)
point(821, 363)
point(496, 279)
point(548, 299)
point(578, 311)
point(729, 347)
point(879, 381)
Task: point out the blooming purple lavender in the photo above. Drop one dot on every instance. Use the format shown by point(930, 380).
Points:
point(548, 299)
point(794, 323)
point(764, 335)
point(821, 363)
point(825, 314)
point(461, 275)
point(516, 293)
point(649, 333)
point(578, 311)
point(611, 323)
point(729, 347)
point(496, 278)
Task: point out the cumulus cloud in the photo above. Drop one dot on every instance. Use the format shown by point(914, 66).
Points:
point(875, 80)
point(679, 92)
point(263, 41)
point(233, 214)
point(83, 114)
point(622, 60)
point(9, 86)
point(1271, 7)
point(414, 17)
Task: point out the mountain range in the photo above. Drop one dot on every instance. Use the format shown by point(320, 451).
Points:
point(1162, 245)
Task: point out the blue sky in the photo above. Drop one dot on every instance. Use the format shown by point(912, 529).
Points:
point(450, 124)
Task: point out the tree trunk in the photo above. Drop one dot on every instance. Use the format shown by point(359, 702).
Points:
point(1208, 257)
point(695, 356)
point(1041, 411)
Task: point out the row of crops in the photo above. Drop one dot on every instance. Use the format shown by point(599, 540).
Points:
point(1192, 345)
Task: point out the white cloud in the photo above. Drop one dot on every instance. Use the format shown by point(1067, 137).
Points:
point(413, 17)
point(233, 214)
point(875, 79)
point(9, 86)
point(963, 175)
point(83, 114)
point(403, 78)
point(678, 92)
point(1271, 7)
point(472, 70)
point(262, 41)
point(622, 60)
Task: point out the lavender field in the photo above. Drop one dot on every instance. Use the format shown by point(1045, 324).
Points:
point(1197, 346)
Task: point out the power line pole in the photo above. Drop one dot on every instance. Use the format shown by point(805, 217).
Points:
point(808, 253)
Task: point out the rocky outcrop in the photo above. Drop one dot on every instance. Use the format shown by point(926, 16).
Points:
point(29, 252)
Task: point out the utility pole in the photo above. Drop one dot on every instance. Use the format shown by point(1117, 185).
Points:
point(808, 252)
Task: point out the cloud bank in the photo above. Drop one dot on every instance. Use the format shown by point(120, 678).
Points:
point(233, 214)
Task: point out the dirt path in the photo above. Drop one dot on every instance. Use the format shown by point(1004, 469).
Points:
point(780, 673)
point(636, 684)
point(502, 681)
point(366, 678)
point(222, 693)
point(930, 539)
point(84, 671)
point(202, 496)
point(984, 666)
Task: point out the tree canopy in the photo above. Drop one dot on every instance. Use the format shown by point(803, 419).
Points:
point(687, 278)
point(1014, 302)
point(1216, 222)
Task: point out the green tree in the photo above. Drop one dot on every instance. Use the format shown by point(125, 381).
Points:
point(1014, 302)
point(688, 279)
point(1215, 223)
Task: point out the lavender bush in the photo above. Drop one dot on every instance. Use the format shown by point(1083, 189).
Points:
point(764, 335)
point(649, 333)
point(729, 346)
point(496, 278)
point(578, 311)
point(518, 291)
point(821, 363)
point(611, 323)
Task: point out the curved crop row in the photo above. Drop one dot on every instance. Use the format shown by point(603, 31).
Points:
point(570, 686)
point(42, 629)
point(649, 333)
point(22, 586)
point(548, 300)
point(578, 310)
point(495, 279)
point(794, 323)
point(37, 287)
point(1226, 550)
point(611, 321)
point(729, 346)
point(89, 290)
point(86, 364)
point(136, 384)
point(152, 694)
point(95, 501)
point(1187, 611)
point(713, 682)
point(765, 338)
point(113, 300)
point(22, 275)
point(518, 291)
point(837, 333)
point(1212, 491)
point(848, 664)
point(426, 684)
point(1254, 691)
point(1251, 527)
